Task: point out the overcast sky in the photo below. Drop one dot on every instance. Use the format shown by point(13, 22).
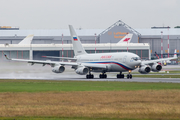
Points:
point(88, 14)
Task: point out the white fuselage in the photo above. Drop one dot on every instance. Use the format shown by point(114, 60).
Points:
point(115, 62)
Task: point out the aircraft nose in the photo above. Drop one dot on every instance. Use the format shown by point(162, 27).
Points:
point(139, 62)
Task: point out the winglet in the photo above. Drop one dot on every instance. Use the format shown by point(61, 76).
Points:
point(6, 56)
point(175, 53)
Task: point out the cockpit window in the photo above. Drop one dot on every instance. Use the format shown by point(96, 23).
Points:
point(136, 58)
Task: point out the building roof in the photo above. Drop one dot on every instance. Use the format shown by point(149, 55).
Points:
point(81, 32)
point(173, 31)
point(49, 32)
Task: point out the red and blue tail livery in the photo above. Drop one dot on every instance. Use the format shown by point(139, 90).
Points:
point(126, 40)
point(75, 38)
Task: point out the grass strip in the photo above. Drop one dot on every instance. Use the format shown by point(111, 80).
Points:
point(58, 86)
point(157, 76)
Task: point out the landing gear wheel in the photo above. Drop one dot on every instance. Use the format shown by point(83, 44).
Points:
point(129, 76)
point(120, 75)
point(102, 75)
point(90, 76)
point(87, 76)
point(105, 75)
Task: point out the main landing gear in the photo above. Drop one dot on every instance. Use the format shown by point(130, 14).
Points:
point(103, 75)
point(120, 75)
point(89, 76)
point(129, 76)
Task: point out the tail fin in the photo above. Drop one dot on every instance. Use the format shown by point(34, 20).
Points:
point(77, 46)
point(126, 39)
point(175, 53)
point(27, 40)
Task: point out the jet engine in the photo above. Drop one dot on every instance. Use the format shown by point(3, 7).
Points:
point(156, 67)
point(144, 69)
point(82, 70)
point(58, 69)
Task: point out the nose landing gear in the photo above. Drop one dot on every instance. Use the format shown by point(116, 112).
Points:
point(129, 76)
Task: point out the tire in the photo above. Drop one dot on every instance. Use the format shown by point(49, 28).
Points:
point(127, 76)
point(105, 75)
point(92, 76)
point(130, 76)
point(117, 76)
point(122, 76)
point(100, 76)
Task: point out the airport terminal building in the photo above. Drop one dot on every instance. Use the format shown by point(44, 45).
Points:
point(145, 42)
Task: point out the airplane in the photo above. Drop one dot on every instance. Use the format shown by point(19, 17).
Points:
point(26, 40)
point(126, 39)
point(100, 62)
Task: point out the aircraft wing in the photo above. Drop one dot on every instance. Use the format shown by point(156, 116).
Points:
point(52, 63)
point(150, 62)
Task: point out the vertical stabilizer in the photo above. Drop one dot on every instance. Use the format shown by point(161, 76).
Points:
point(126, 39)
point(27, 40)
point(175, 53)
point(77, 46)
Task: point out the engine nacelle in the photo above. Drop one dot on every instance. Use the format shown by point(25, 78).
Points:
point(156, 67)
point(82, 71)
point(58, 69)
point(144, 69)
